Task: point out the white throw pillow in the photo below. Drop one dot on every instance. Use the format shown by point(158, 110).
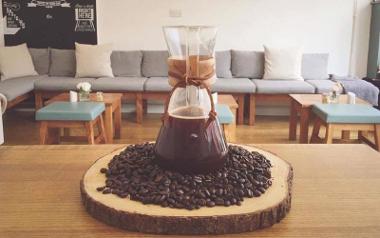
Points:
point(93, 60)
point(283, 63)
point(16, 61)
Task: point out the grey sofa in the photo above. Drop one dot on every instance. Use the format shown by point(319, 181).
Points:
point(142, 75)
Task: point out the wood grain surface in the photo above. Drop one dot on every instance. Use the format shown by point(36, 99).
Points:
point(253, 214)
point(336, 192)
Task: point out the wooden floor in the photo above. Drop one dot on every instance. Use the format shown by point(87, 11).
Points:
point(20, 128)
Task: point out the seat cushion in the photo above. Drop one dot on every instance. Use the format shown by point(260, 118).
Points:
point(247, 64)
point(60, 83)
point(15, 87)
point(233, 85)
point(155, 64)
point(70, 111)
point(282, 86)
point(347, 113)
point(41, 60)
point(224, 114)
point(223, 64)
point(157, 84)
point(133, 84)
point(322, 85)
point(63, 63)
point(126, 63)
point(314, 66)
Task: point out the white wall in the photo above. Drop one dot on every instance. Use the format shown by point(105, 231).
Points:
point(318, 25)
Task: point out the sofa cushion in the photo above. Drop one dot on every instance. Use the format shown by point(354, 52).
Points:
point(15, 87)
point(63, 63)
point(233, 85)
point(60, 83)
point(247, 64)
point(282, 86)
point(322, 86)
point(93, 61)
point(223, 64)
point(126, 63)
point(283, 63)
point(157, 84)
point(132, 84)
point(154, 63)
point(41, 60)
point(314, 66)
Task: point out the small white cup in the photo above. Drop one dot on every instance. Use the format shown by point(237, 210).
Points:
point(73, 96)
point(351, 98)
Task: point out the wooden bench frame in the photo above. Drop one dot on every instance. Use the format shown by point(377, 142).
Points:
point(161, 96)
point(254, 98)
point(19, 99)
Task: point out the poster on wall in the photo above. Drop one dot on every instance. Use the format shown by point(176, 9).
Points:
point(49, 23)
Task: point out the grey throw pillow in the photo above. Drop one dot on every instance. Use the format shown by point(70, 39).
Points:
point(126, 63)
point(63, 63)
point(155, 63)
point(41, 60)
point(314, 66)
point(247, 64)
point(223, 64)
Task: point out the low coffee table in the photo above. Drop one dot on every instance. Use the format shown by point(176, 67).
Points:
point(301, 104)
point(112, 114)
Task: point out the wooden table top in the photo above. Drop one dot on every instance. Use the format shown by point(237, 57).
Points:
point(228, 100)
point(336, 192)
point(108, 98)
point(307, 100)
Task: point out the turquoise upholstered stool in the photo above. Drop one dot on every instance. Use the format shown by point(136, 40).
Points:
point(347, 117)
point(227, 120)
point(71, 115)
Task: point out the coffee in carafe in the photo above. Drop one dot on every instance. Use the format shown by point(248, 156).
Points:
point(190, 138)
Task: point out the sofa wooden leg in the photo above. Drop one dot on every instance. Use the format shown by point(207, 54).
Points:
point(38, 101)
point(240, 120)
point(252, 109)
point(139, 108)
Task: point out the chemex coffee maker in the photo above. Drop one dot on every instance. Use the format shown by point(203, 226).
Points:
point(191, 139)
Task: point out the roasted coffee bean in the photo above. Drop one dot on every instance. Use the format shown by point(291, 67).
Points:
point(99, 189)
point(134, 173)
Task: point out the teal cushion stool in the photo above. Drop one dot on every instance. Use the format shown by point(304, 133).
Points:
point(85, 115)
point(347, 113)
point(224, 114)
point(227, 120)
point(70, 111)
point(346, 118)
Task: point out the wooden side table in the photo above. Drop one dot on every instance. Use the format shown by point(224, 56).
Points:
point(112, 114)
point(301, 104)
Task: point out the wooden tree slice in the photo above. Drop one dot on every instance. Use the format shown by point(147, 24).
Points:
point(254, 213)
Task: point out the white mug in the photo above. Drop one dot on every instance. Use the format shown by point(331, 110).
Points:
point(73, 96)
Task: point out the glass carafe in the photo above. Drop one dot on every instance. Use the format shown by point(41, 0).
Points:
point(191, 139)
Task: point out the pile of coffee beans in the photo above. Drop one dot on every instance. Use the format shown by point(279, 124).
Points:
point(134, 174)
